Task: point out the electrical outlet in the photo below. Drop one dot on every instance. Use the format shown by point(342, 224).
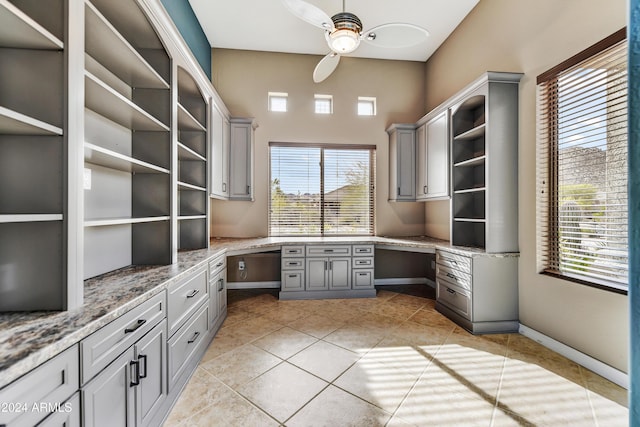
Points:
point(241, 265)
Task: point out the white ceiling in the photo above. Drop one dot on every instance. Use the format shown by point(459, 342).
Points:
point(267, 25)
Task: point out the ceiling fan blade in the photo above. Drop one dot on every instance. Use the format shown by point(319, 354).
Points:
point(325, 67)
point(395, 35)
point(310, 13)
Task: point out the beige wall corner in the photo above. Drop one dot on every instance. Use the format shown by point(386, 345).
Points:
point(531, 37)
point(243, 80)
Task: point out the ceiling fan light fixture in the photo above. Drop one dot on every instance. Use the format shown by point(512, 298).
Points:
point(345, 38)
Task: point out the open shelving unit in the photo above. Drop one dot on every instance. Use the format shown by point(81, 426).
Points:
point(193, 195)
point(33, 211)
point(127, 150)
point(484, 132)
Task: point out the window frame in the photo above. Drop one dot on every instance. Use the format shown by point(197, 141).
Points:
point(278, 95)
point(551, 187)
point(372, 186)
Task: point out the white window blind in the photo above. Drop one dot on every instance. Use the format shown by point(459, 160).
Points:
point(321, 190)
point(582, 167)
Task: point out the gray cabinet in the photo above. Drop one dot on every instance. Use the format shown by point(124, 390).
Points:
point(293, 269)
point(478, 291)
point(402, 162)
point(219, 164)
point(484, 149)
point(184, 298)
point(433, 156)
point(363, 267)
point(217, 291)
point(51, 383)
point(241, 159)
point(131, 389)
point(69, 416)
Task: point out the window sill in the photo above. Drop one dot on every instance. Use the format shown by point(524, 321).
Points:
point(605, 286)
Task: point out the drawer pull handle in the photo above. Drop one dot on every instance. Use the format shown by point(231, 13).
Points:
point(292, 251)
point(451, 276)
point(143, 357)
point(138, 324)
point(219, 264)
point(451, 291)
point(293, 275)
point(220, 285)
point(194, 338)
point(362, 274)
point(135, 366)
point(328, 250)
point(193, 293)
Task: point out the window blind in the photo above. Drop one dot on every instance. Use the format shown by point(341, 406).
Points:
point(321, 190)
point(582, 167)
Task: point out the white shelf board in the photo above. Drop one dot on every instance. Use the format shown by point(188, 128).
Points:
point(14, 123)
point(478, 220)
point(12, 218)
point(472, 162)
point(471, 133)
point(107, 102)
point(106, 45)
point(470, 190)
point(101, 156)
point(191, 217)
point(123, 221)
point(186, 121)
point(186, 153)
point(18, 30)
point(187, 186)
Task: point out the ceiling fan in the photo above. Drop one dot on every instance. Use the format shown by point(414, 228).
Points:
point(343, 32)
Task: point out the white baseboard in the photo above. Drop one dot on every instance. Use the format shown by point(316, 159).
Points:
point(600, 368)
point(401, 281)
point(254, 285)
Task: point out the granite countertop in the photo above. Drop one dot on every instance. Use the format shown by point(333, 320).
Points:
point(28, 339)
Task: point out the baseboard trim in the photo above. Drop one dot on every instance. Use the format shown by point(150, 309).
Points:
point(254, 285)
point(600, 368)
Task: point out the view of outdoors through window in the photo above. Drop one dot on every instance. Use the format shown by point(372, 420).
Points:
point(321, 191)
point(592, 172)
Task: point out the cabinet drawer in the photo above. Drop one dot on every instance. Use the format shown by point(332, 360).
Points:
point(325, 250)
point(217, 264)
point(51, 383)
point(104, 345)
point(185, 343)
point(454, 261)
point(456, 277)
point(292, 251)
point(362, 250)
point(292, 263)
point(185, 297)
point(68, 416)
point(362, 279)
point(457, 299)
point(364, 262)
point(292, 280)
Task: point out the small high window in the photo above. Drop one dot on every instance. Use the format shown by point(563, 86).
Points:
point(323, 104)
point(366, 106)
point(278, 101)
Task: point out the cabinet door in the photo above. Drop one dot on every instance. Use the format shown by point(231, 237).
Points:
point(406, 165)
point(437, 156)
point(421, 154)
point(151, 353)
point(219, 153)
point(316, 274)
point(109, 399)
point(339, 273)
point(214, 284)
point(240, 161)
point(222, 292)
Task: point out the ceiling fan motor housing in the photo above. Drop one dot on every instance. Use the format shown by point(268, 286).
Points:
point(345, 38)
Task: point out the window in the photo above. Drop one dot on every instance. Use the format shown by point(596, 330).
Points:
point(366, 106)
point(323, 104)
point(278, 101)
point(582, 167)
point(321, 190)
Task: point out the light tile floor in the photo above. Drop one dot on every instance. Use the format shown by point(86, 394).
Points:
point(391, 360)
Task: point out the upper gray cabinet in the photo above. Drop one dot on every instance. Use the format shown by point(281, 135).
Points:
point(433, 156)
point(402, 163)
point(241, 159)
point(219, 164)
point(484, 122)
